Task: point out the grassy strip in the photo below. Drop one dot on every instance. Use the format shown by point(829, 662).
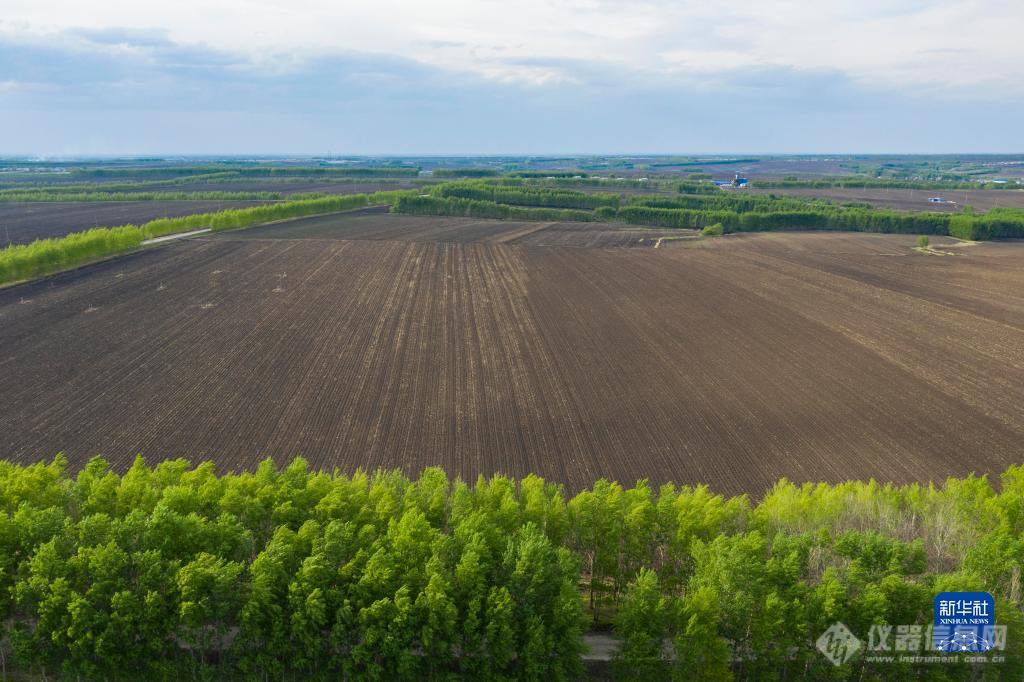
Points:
point(25, 261)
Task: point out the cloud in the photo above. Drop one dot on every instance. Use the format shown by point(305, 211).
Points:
point(136, 37)
point(898, 43)
point(491, 77)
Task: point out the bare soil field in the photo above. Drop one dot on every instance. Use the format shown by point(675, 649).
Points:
point(377, 224)
point(284, 186)
point(911, 199)
point(763, 168)
point(21, 223)
point(731, 361)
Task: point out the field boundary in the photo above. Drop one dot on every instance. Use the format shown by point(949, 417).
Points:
point(159, 241)
point(170, 237)
point(132, 238)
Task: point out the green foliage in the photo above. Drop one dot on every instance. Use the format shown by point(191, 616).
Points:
point(251, 171)
point(464, 172)
point(886, 183)
point(546, 174)
point(738, 202)
point(23, 261)
point(502, 198)
point(49, 195)
point(715, 230)
point(697, 187)
point(452, 206)
point(579, 179)
point(287, 573)
point(643, 622)
point(555, 198)
point(806, 217)
point(999, 223)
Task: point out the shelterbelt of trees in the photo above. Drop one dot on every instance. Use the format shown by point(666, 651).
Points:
point(250, 171)
point(45, 183)
point(473, 208)
point(527, 196)
point(10, 196)
point(881, 183)
point(284, 573)
point(23, 261)
point(62, 188)
point(524, 199)
point(735, 215)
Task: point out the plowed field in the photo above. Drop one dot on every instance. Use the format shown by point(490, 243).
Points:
point(732, 361)
point(24, 222)
point(378, 225)
point(909, 199)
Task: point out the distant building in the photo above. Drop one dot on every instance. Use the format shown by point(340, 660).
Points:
point(739, 182)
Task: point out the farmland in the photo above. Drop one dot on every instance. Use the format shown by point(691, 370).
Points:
point(288, 186)
point(909, 199)
point(21, 223)
point(376, 340)
point(378, 224)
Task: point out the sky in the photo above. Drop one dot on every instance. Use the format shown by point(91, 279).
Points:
point(382, 77)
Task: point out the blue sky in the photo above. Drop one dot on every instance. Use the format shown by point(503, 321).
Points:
point(575, 76)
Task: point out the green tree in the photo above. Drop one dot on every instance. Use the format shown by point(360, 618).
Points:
point(643, 622)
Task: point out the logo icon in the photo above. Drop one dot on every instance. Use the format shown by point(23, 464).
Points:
point(838, 644)
point(963, 621)
point(964, 641)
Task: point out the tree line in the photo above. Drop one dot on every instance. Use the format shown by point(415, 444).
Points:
point(123, 185)
point(285, 573)
point(36, 195)
point(135, 185)
point(586, 181)
point(816, 218)
point(697, 187)
point(528, 196)
point(464, 172)
point(880, 183)
point(18, 262)
point(252, 171)
point(473, 208)
point(546, 174)
point(729, 201)
point(995, 224)
point(23, 261)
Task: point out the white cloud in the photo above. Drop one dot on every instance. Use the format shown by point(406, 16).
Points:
point(959, 45)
